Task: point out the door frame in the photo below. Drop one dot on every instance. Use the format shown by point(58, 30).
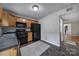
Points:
point(61, 35)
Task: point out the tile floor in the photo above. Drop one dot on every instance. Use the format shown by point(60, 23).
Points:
point(65, 50)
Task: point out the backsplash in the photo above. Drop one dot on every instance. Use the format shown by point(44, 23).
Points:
point(8, 29)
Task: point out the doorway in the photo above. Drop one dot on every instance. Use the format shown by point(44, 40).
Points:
point(69, 33)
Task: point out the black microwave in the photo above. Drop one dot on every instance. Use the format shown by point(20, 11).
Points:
point(20, 25)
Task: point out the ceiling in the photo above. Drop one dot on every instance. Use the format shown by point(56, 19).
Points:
point(71, 17)
point(25, 9)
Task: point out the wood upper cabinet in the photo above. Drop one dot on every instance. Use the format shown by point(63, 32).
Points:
point(1, 10)
point(4, 19)
point(11, 20)
point(8, 20)
point(19, 19)
point(28, 23)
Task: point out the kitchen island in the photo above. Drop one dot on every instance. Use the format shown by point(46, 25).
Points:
point(8, 45)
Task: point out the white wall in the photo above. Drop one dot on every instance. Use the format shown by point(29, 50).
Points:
point(50, 27)
point(74, 27)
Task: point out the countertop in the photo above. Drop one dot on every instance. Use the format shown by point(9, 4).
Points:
point(8, 41)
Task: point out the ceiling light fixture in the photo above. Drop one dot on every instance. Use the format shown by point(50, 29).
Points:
point(35, 7)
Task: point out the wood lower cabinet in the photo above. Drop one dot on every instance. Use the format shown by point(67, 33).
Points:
point(29, 36)
point(9, 52)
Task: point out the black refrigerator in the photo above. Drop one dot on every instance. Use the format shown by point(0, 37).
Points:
point(36, 31)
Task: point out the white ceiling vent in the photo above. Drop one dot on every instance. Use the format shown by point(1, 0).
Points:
point(69, 9)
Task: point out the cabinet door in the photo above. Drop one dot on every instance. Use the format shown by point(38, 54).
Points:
point(1, 10)
point(12, 20)
point(4, 19)
point(9, 19)
point(29, 36)
point(9, 52)
point(29, 23)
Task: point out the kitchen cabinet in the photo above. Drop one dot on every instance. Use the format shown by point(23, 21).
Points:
point(1, 10)
point(8, 20)
point(11, 20)
point(28, 23)
point(8, 45)
point(29, 36)
point(21, 20)
point(9, 52)
point(5, 19)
